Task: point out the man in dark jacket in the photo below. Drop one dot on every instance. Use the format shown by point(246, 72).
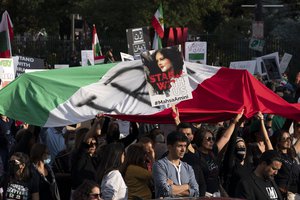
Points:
point(260, 185)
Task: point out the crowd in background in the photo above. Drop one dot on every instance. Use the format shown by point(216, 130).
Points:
point(99, 160)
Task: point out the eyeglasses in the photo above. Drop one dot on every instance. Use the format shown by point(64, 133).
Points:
point(95, 196)
point(210, 139)
point(286, 139)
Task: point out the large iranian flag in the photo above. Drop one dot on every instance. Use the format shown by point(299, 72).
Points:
point(66, 96)
point(6, 36)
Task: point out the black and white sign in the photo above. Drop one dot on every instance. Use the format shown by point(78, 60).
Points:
point(138, 40)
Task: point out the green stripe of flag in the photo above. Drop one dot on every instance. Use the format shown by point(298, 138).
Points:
point(196, 56)
point(51, 87)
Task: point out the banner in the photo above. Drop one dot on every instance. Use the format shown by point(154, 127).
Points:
point(138, 41)
point(166, 75)
point(196, 52)
point(249, 65)
point(7, 71)
point(23, 63)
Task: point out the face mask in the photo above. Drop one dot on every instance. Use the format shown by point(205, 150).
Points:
point(47, 160)
point(13, 168)
point(240, 152)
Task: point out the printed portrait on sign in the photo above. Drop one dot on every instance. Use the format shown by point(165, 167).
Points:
point(166, 76)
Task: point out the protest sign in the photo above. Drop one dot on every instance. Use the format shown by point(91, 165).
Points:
point(22, 63)
point(256, 44)
point(285, 60)
point(272, 68)
point(167, 78)
point(138, 40)
point(87, 57)
point(196, 52)
point(126, 57)
point(7, 71)
point(249, 65)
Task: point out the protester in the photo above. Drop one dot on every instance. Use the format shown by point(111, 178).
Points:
point(40, 158)
point(262, 142)
point(109, 57)
point(53, 138)
point(260, 184)
point(288, 176)
point(192, 155)
point(209, 153)
point(88, 190)
point(136, 174)
point(113, 186)
point(147, 144)
point(84, 158)
point(22, 183)
point(173, 177)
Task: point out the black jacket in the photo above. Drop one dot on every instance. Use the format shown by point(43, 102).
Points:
point(255, 188)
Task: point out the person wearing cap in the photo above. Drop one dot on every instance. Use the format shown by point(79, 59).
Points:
point(260, 185)
point(237, 166)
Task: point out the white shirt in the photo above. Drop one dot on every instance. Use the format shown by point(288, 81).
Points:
point(113, 186)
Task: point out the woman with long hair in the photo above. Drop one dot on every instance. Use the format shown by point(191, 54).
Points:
point(40, 158)
point(287, 178)
point(137, 177)
point(113, 186)
point(21, 183)
point(209, 154)
point(88, 190)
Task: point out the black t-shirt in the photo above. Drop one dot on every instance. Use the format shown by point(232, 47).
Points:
point(238, 172)
point(268, 186)
point(22, 189)
point(210, 168)
point(288, 175)
point(83, 166)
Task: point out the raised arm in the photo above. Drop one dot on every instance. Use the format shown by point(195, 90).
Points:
point(93, 130)
point(264, 131)
point(226, 136)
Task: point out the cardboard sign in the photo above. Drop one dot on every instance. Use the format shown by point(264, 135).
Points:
point(196, 52)
point(285, 60)
point(166, 75)
point(138, 40)
point(7, 71)
point(87, 57)
point(272, 68)
point(249, 65)
point(23, 63)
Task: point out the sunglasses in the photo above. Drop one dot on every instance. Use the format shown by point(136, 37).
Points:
point(298, 125)
point(95, 196)
point(286, 139)
point(210, 139)
point(16, 162)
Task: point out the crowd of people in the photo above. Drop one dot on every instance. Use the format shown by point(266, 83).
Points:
point(257, 158)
